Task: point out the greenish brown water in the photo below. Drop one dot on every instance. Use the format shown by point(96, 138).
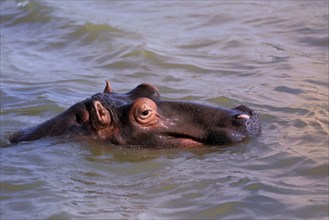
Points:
point(269, 55)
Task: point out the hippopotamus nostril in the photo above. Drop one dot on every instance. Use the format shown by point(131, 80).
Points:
point(242, 116)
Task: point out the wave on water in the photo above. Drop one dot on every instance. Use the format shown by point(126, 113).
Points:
point(24, 12)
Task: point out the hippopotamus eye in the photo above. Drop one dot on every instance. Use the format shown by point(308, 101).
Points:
point(143, 111)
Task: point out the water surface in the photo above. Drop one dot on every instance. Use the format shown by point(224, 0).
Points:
point(269, 55)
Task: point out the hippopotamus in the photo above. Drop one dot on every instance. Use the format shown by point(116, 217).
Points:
point(140, 117)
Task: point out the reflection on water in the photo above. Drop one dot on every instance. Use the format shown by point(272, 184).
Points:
point(271, 56)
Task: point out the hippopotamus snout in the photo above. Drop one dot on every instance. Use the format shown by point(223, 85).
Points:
point(227, 126)
point(251, 120)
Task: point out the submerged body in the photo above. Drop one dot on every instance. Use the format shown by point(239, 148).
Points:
point(139, 117)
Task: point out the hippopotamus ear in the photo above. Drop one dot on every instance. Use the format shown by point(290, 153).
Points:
point(101, 117)
point(108, 88)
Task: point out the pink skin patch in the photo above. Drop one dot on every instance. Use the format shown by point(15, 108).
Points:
point(244, 116)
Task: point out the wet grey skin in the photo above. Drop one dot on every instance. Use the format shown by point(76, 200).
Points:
point(141, 118)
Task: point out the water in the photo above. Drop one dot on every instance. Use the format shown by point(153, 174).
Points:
point(269, 55)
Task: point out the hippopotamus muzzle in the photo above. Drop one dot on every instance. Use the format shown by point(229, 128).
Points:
point(141, 118)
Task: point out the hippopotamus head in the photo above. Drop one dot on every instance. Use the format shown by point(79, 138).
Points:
point(139, 117)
